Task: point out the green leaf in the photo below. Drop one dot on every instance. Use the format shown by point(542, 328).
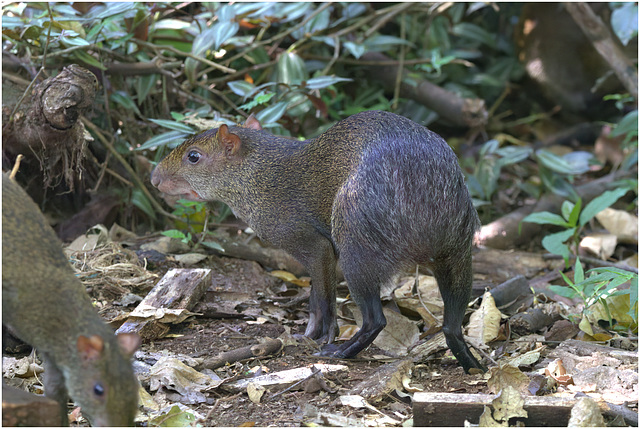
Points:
point(170, 139)
point(223, 31)
point(628, 125)
point(564, 291)
point(546, 218)
point(325, 81)
point(578, 271)
point(600, 203)
point(140, 200)
point(624, 21)
point(241, 87)
point(214, 245)
point(381, 42)
point(82, 56)
point(272, 113)
point(513, 154)
point(566, 209)
point(174, 233)
point(173, 125)
point(291, 69)
point(575, 213)
point(355, 49)
point(124, 99)
point(258, 100)
point(554, 243)
point(175, 417)
point(568, 164)
point(144, 85)
point(474, 32)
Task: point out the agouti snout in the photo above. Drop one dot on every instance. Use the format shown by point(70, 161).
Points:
point(45, 305)
point(376, 192)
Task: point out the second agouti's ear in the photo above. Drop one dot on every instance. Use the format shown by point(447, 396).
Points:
point(90, 348)
point(252, 123)
point(230, 142)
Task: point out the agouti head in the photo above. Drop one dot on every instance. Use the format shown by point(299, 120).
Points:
point(198, 169)
point(45, 305)
point(102, 386)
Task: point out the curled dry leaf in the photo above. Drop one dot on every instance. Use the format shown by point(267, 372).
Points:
point(620, 223)
point(600, 245)
point(255, 392)
point(509, 404)
point(506, 375)
point(484, 323)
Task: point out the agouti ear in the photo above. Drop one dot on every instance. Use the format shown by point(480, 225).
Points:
point(229, 141)
point(252, 123)
point(90, 348)
point(128, 343)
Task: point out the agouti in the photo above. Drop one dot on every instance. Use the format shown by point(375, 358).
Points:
point(376, 192)
point(45, 305)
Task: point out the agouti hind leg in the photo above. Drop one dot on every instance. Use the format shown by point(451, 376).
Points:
point(454, 279)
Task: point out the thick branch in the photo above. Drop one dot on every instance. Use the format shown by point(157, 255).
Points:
point(605, 44)
point(463, 112)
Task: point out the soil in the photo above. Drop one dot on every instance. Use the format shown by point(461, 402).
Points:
point(246, 288)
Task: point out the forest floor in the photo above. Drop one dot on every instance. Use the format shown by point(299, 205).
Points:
point(243, 305)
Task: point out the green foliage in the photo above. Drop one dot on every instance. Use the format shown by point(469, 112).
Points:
point(171, 70)
point(573, 219)
point(176, 233)
point(601, 285)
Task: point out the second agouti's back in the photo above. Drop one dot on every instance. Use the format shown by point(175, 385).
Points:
point(377, 191)
point(45, 305)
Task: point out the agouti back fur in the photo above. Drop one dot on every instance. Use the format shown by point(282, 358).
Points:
point(376, 191)
point(45, 305)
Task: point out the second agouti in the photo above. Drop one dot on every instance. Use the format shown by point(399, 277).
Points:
point(376, 192)
point(45, 305)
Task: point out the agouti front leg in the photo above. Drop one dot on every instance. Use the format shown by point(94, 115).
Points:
point(364, 272)
point(319, 258)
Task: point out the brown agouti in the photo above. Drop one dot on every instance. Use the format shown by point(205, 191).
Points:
point(45, 305)
point(376, 191)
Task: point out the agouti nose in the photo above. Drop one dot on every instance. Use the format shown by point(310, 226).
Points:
point(156, 177)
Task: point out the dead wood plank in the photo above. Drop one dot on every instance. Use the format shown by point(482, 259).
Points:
point(451, 409)
point(20, 408)
point(179, 289)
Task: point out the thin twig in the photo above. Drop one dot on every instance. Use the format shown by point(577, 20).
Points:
point(315, 372)
point(595, 261)
point(184, 54)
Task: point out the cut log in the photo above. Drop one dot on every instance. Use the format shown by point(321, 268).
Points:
point(179, 289)
point(20, 408)
point(451, 409)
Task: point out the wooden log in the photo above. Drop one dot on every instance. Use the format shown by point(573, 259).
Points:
point(451, 409)
point(20, 408)
point(178, 289)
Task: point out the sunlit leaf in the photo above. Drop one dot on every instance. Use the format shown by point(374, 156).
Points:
point(324, 81)
point(170, 139)
point(272, 113)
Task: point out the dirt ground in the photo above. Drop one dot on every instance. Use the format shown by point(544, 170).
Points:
point(245, 304)
point(254, 291)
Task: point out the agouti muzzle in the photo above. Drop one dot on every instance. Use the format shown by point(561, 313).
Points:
point(45, 305)
point(376, 192)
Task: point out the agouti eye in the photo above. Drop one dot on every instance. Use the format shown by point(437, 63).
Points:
point(193, 157)
point(98, 389)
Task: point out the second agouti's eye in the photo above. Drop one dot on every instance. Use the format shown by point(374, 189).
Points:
point(193, 157)
point(98, 389)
